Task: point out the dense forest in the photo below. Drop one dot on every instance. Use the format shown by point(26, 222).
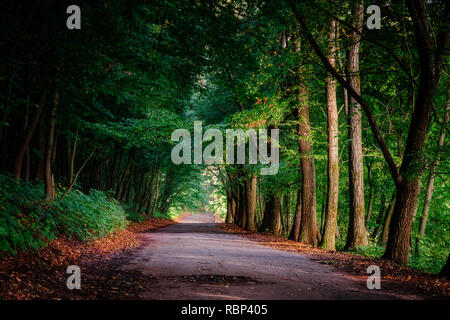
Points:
point(362, 107)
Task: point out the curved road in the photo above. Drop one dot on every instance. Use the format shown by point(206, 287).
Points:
point(194, 260)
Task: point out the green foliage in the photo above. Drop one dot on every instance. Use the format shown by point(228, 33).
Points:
point(90, 216)
point(27, 222)
point(24, 222)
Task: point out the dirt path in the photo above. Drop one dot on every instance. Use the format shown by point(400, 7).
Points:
point(195, 260)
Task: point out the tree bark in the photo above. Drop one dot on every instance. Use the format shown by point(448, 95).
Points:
point(231, 208)
point(251, 203)
point(356, 235)
point(275, 222)
point(242, 219)
point(151, 196)
point(329, 234)
point(271, 220)
point(295, 231)
point(48, 174)
point(309, 233)
point(71, 155)
point(168, 190)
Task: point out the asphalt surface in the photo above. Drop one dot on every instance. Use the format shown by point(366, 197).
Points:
point(193, 259)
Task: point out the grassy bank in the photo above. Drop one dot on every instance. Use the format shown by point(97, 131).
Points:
point(28, 223)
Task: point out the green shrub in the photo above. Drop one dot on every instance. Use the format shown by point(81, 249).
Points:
point(26, 222)
point(90, 216)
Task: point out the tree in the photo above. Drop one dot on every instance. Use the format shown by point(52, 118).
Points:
point(329, 235)
point(356, 235)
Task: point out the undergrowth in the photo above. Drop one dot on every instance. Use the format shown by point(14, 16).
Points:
point(28, 222)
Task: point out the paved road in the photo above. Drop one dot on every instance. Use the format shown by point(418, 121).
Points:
point(195, 260)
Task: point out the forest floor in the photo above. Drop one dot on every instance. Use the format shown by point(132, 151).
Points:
point(199, 259)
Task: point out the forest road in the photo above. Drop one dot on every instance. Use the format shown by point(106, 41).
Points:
point(193, 259)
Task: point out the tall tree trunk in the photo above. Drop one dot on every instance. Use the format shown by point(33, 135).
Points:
point(329, 235)
point(238, 203)
point(243, 206)
point(71, 153)
point(295, 231)
point(168, 191)
point(231, 198)
point(155, 202)
point(251, 203)
point(356, 235)
point(275, 215)
point(309, 233)
point(286, 214)
point(48, 173)
point(231, 207)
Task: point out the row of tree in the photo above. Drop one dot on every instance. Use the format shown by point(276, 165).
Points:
point(414, 75)
point(95, 107)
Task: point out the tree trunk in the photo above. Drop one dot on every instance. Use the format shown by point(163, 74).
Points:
point(155, 204)
point(309, 233)
point(71, 152)
point(295, 231)
point(251, 203)
point(275, 222)
point(151, 196)
point(356, 235)
point(329, 234)
point(271, 220)
point(231, 207)
point(167, 192)
point(242, 219)
point(48, 174)
point(231, 198)
point(238, 203)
